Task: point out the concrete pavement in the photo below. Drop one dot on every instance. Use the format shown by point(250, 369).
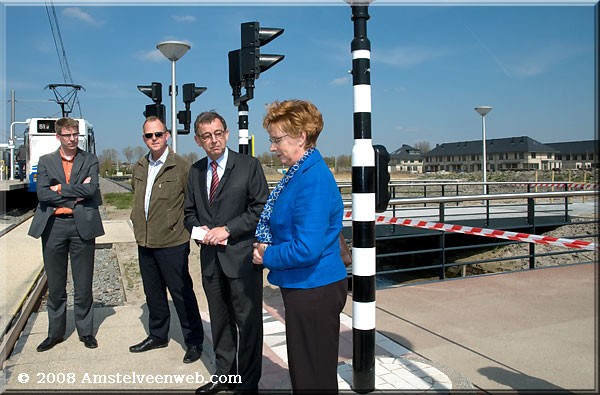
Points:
point(527, 330)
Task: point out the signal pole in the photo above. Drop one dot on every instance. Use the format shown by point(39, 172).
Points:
point(245, 66)
point(243, 127)
point(363, 210)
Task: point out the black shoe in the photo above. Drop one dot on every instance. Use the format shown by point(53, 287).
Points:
point(89, 341)
point(193, 353)
point(213, 388)
point(150, 343)
point(48, 343)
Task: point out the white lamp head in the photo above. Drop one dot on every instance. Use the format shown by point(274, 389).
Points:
point(173, 50)
point(483, 110)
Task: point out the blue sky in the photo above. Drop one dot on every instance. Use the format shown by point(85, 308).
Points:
point(430, 66)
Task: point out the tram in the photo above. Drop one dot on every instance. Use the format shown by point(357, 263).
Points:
point(40, 139)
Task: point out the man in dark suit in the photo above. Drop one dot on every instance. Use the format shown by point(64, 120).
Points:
point(68, 220)
point(225, 195)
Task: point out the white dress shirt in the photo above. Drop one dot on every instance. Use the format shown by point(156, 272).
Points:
point(221, 163)
point(153, 169)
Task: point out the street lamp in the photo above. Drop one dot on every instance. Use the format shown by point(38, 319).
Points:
point(483, 110)
point(173, 50)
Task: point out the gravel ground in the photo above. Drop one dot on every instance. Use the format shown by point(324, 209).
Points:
point(572, 231)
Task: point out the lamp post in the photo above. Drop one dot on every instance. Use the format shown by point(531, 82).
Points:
point(483, 110)
point(173, 50)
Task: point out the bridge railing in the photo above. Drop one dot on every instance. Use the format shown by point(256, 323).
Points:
point(520, 205)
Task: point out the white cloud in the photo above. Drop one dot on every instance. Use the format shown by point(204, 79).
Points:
point(77, 13)
point(340, 81)
point(406, 129)
point(153, 56)
point(542, 60)
point(184, 18)
point(407, 57)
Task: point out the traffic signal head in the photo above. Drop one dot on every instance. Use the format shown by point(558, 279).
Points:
point(253, 37)
point(191, 92)
point(382, 178)
point(153, 91)
point(185, 118)
point(158, 110)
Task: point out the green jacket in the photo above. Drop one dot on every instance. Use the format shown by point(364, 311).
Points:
point(164, 227)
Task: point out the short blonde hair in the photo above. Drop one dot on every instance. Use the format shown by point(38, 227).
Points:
point(66, 122)
point(295, 117)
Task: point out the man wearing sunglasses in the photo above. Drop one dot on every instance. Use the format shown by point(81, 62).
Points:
point(68, 220)
point(159, 184)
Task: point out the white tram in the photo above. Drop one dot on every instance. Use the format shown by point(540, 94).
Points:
point(40, 139)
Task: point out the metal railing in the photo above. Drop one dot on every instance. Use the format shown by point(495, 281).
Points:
point(559, 215)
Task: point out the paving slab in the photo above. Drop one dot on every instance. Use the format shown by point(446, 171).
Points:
point(526, 330)
point(21, 263)
point(116, 231)
point(71, 366)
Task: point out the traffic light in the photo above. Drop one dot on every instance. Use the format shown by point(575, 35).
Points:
point(253, 37)
point(235, 73)
point(382, 178)
point(246, 63)
point(190, 93)
point(157, 110)
point(154, 92)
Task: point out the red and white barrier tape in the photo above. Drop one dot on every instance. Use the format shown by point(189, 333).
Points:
point(501, 234)
point(558, 185)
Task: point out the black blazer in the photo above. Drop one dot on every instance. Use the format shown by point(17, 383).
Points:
point(238, 203)
point(50, 172)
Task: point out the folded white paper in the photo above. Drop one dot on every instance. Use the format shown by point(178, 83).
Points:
point(198, 234)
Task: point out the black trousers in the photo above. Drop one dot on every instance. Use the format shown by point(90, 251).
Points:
point(163, 268)
point(21, 164)
point(312, 330)
point(235, 307)
point(59, 240)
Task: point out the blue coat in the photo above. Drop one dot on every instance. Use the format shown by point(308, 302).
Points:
point(305, 223)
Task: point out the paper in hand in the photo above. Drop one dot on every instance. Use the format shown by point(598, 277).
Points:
point(198, 234)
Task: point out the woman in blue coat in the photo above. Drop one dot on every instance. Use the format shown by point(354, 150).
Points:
point(298, 236)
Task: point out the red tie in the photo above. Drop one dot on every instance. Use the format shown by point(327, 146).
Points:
point(214, 183)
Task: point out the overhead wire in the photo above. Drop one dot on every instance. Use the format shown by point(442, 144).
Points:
point(61, 52)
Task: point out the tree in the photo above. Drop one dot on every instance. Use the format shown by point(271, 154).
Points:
point(344, 161)
point(422, 146)
point(111, 154)
point(106, 167)
point(191, 157)
point(139, 152)
point(129, 154)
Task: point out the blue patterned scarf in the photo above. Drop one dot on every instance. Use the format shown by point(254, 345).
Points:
point(263, 229)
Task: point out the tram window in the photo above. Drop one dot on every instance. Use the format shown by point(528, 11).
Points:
point(46, 126)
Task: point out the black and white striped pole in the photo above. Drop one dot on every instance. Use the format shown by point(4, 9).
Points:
point(243, 127)
point(363, 210)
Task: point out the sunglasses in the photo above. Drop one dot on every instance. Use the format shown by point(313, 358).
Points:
point(156, 134)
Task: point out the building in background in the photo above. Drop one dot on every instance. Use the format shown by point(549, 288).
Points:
point(577, 154)
point(512, 153)
point(407, 159)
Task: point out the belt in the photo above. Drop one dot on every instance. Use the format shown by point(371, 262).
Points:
point(63, 215)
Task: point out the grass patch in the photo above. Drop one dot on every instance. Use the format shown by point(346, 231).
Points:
point(119, 200)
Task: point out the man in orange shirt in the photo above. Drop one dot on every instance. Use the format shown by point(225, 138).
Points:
point(68, 220)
